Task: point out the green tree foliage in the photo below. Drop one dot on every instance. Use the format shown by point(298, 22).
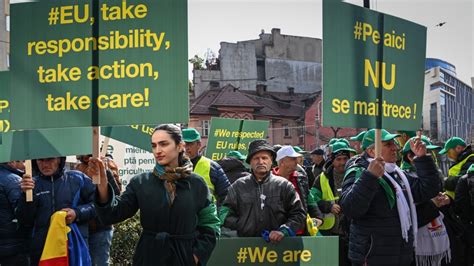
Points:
point(125, 239)
point(197, 62)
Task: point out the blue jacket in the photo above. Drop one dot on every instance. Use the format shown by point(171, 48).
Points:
point(51, 194)
point(11, 238)
point(375, 234)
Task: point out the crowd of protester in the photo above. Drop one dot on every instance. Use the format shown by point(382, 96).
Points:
point(396, 208)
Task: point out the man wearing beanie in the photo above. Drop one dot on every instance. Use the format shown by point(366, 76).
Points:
point(326, 192)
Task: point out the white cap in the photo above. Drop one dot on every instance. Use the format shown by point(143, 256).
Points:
point(286, 151)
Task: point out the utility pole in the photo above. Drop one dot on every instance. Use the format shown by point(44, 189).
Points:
point(317, 120)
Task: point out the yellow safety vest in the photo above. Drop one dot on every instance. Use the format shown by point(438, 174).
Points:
point(203, 168)
point(328, 218)
point(454, 171)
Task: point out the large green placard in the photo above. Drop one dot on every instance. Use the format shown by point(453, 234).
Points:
point(99, 63)
point(365, 51)
point(228, 134)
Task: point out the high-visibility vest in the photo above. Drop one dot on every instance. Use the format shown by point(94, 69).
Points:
point(203, 168)
point(454, 171)
point(328, 218)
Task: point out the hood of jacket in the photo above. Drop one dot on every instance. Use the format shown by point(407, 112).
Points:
point(57, 174)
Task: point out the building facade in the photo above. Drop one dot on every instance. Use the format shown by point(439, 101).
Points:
point(448, 103)
point(4, 34)
point(279, 62)
point(317, 135)
point(284, 111)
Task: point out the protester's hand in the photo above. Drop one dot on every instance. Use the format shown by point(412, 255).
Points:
point(276, 236)
point(27, 183)
point(418, 147)
point(98, 168)
point(196, 259)
point(377, 167)
point(71, 215)
point(335, 209)
point(317, 222)
point(441, 200)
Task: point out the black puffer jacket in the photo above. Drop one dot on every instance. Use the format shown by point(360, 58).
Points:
point(233, 168)
point(12, 238)
point(375, 233)
point(464, 202)
point(244, 212)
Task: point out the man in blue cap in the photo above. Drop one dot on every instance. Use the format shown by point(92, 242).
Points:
point(211, 171)
point(462, 157)
point(379, 198)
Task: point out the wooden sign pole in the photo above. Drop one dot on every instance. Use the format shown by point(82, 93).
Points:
point(378, 143)
point(95, 150)
point(29, 171)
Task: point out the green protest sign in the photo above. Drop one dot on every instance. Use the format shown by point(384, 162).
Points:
point(99, 63)
point(33, 144)
point(314, 251)
point(135, 135)
point(365, 51)
point(233, 134)
point(5, 101)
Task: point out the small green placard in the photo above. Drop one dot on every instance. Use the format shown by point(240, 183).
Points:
point(135, 135)
point(365, 51)
point(291, 251)
point(233, 135)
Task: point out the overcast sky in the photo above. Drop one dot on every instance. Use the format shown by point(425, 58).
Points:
point(213, 21)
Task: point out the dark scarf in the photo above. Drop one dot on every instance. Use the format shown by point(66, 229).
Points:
point(171, 175)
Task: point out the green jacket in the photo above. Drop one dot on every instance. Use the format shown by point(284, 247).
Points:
point(171, 235)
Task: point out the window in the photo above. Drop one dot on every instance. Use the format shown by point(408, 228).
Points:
point(434, 121)
point(205, 128)
point(286, 130)
point(435, 87)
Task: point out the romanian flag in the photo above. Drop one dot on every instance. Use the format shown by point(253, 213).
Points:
point(55, 251)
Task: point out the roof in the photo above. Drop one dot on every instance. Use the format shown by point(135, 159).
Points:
point(273, 104)
point(231, 96)
point(228, 96)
